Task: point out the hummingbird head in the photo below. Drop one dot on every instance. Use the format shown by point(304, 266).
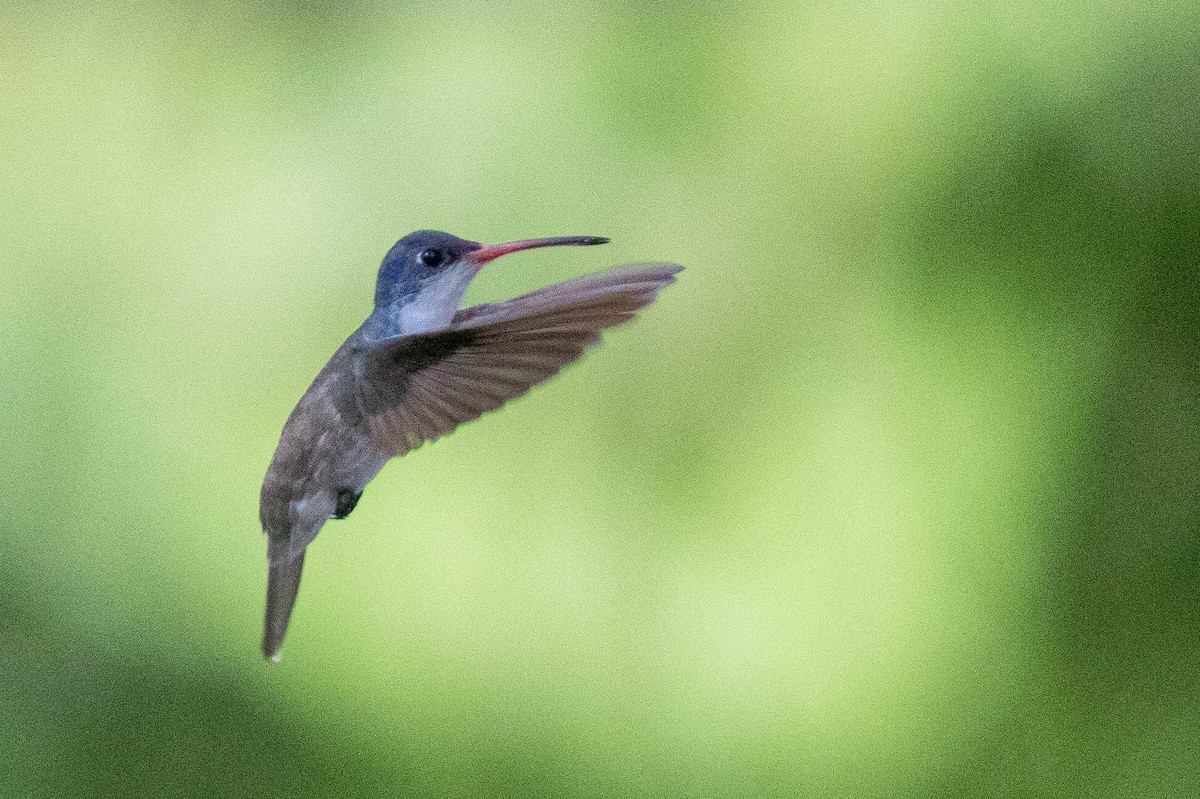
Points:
point(423, 277)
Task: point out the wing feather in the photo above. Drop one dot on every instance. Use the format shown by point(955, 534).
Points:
point(421, 387)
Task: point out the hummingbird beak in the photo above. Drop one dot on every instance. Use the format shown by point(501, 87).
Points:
point(493, 251)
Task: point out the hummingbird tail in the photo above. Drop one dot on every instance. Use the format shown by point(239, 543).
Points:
point(283, 581)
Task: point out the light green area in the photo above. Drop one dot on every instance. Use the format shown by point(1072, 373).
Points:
point(895, 493)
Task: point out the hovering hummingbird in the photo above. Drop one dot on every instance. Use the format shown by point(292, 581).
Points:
point(416, 369)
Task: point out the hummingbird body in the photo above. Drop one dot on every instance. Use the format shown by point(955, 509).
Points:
point(416, 369)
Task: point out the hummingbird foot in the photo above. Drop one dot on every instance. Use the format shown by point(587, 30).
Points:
point(347, 498)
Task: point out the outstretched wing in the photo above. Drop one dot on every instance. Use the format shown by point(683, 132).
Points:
point(418, 388)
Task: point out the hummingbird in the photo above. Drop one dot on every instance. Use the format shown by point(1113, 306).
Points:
point(417, 368)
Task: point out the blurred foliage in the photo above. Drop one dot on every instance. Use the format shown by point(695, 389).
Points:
point(894, 494)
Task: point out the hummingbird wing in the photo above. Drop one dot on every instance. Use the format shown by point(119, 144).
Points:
point(420, 387)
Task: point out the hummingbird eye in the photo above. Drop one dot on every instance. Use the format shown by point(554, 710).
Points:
point(431, 258)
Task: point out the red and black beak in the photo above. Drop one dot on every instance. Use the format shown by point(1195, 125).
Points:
point(491, 252)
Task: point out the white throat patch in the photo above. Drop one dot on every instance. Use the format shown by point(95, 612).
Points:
point(434, 306)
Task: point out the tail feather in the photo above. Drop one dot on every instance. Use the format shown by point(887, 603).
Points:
point(283, 581)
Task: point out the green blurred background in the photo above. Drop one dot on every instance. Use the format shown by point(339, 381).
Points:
point(895, 493)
